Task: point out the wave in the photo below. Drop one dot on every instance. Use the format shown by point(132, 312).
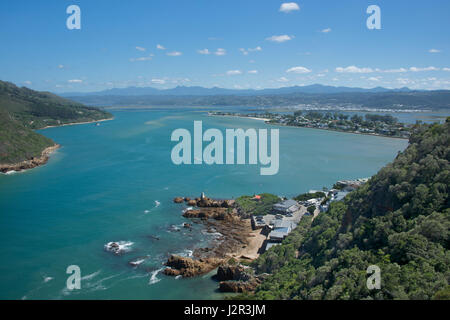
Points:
point(118, 247)
point(153, 278)
point(92, 275)
point(157, 203)
point(187, 209)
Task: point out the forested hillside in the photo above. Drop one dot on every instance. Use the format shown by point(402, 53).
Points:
point(399, 221)
point(22, 110)
point(36, 109)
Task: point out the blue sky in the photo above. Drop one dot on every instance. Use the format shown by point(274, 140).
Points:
point(232, 44)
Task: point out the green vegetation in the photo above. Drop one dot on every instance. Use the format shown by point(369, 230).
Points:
point(22, 110)
point(36, 110)
point(311, 209)
point(399, 221)
point(18, 143)
point(248, 206)
point(308, 196)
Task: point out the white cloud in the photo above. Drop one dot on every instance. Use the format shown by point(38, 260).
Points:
point(140, 48)
point(158, 81)
point(233, 72)
point(174, 53)
point(404, 81)
point(298, 70)
point(289, 6)
point(246, 52)
point(326, 30)
point(445, 69)
point(280, 38)
point(434, 51)
point(75, 81)
point(27, 82)
point(258, 48)
point(220, 52)
point(60, 66)
point(160, 47)
point(253, 71)
point(374, 78)
point(282, 79)
point(354, 69)
point(398, 70)
point(416, 69)
point(142, 58)
point(204, 51)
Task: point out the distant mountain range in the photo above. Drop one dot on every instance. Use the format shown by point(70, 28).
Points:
point(202, 91)
point(315, 96)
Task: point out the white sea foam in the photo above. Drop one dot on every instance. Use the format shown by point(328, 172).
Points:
point(146, 211)
point(187, 209)
point(119, 247)
point(178, 276)
point(47, 279)
point(153, 278)
point(157, 203)
point(92, 275)
point(136, 262)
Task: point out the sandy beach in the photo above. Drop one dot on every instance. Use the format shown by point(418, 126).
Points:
point(76, 123)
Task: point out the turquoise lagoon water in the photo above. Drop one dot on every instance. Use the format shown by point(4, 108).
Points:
point(116, 182)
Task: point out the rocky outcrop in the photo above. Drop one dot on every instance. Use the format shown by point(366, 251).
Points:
point(29, 164)
point(231, 272)
point(188, 267)
point(178, 200)
point(192, 203)
point(205, 202)
point(209, 213)
point(238, 286)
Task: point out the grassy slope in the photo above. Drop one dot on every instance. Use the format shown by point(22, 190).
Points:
point(22, 110)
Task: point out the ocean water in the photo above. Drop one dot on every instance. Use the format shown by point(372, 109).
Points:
point(116, 182)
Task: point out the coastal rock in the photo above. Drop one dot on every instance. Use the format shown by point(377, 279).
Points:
point(187, 199)
point(172, 272)
point(119, 247)
point(229, 272)
point(216, 213)
point(178, 200)
point(188, 267)
point(192, 203)
point(238, 286)
point(31, 163)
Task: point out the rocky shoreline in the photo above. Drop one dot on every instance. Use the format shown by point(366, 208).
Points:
point(31, 163)
point(219, 216)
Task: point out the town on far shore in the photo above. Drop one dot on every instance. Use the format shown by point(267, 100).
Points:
point(371, 124)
